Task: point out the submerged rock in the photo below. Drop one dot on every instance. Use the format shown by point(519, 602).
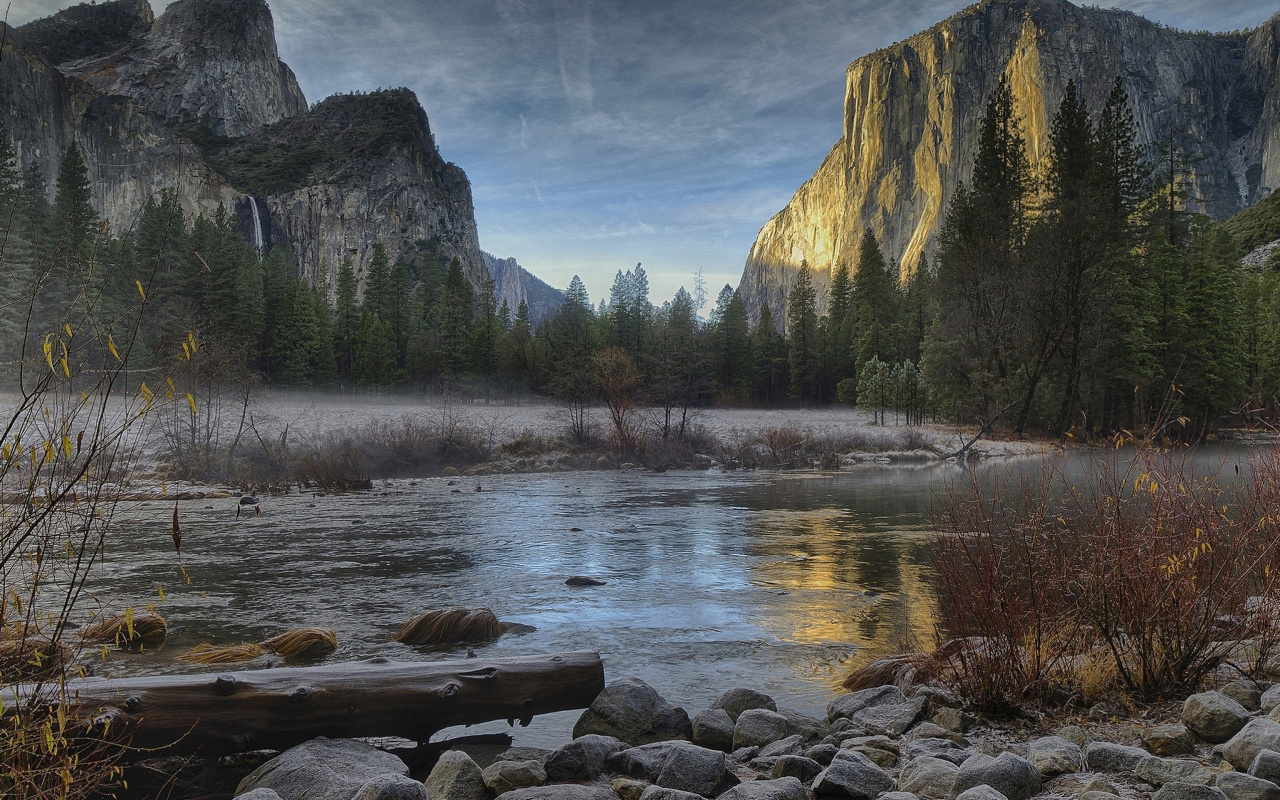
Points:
point(582, 580)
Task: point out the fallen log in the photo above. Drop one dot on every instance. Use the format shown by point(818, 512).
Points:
point(275, 709)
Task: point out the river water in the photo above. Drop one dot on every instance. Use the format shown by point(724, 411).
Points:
point(775, 581)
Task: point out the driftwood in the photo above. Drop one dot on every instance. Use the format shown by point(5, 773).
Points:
point(275, 709)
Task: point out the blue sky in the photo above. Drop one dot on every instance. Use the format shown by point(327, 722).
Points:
point(602, 133)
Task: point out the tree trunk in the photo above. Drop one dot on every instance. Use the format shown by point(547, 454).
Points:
point(277, 709)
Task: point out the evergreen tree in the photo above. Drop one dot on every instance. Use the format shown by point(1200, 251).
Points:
point(455, 325)
point(873, 296)
point(802, 336)
point(346, 319)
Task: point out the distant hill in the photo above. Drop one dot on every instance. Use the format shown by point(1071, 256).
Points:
point(514, 284)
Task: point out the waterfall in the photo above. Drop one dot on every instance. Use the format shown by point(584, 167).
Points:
point(257, 224)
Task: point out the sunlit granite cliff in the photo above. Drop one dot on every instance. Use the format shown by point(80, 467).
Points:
point(912, 112)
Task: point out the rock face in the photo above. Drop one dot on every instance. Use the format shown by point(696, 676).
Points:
point(205, 61)
point(515, 284)
point(912, 112)
point(197, 101)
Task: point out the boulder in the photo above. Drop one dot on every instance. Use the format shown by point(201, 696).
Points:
point(735, 701)
point(1010, 775)
point(945, 749)
point(852, 775)
point(1266, 765)
point(629, 709)
point(953, 719)
point(561, 792)
point(891, 719)
point(713, 728)
point(259, 794)
point(663, 793)
point(1096, 795)
point(757, 727)
point(981, 792)
point(1168, 740)
point(1257, 735)
point(822, 753)
point(928, 777)
point(1188, 791)
point(1239, 786)
point(392, 787)
point(897, 796)
point(582, 759)
point(525, 754)
point(1214, 716)
point(801, 768)
point(503, 776)
point(1099, 783)
point(811, 728)
point(788, 746)
point(1053, 755)
point(675, 765)
point(1270, 699)
point(881, 758)
point(744, 754)
point(929, 730)
point(1159, 771)
point(1246, 693)
point(878, 742)
point(780, 789)
point(845, 706)
point(1076, 735)
point(629, 789)
point(456, 777)
point(322, 769)
point(1111, 757)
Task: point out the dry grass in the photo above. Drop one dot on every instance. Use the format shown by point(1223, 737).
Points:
point(450, 625)
point(128, 631)
point(904, 671)
point(299, 644)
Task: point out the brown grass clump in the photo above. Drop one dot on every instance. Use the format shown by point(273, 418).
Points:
point(450, 625)
point(904, 671)
point(299, 644)
point(128, 631)
point(303, 644)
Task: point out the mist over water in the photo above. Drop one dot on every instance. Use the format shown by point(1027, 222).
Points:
point(776, 581)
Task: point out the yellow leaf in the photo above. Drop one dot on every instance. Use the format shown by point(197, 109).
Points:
point(192, 402)
point(70, 335)
point(161, 589)
point(140, 289)
point(66, 446)
point(111, 345)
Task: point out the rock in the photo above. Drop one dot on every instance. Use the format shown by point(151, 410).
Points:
point(713, 728)
point(1239, 786)
point(1099, 783)
point(849, 727)
point(757, 727)
point(1097, 795)
point(822, 753)
point(897, 796)
point(663, 793)
point(881, 758)
point(560, 792)
point(928, 777)
point(878, 742)
point(789, 746)
point(503, 776)
point(744, 754)
point(853, 775)
point(1266, 765)
point(525, 754)
point(1076, 735)
point(1110, 757)
point(1247, 693)
point(582, 759)
point(392, 787)
point(1159, 771)
point(735, 701)
point(892, 719)
point(1270, 699)
point(981, 792)
point(847, 705)
point(811, 728)
point(1053, 755)
point(945, 749)
point(583, 580)
point(1255, 736)
point(1168, 740)
point(1188, 791)
point(629, 709)
point(1214, 716)
point(629, 789)
point(675, 765)
point(928, 730)
point(456, 777)
point(248, 500)
point(1008, 774)
point(764, 764)
point(953, 719)
point(322, 769)
point(780, 789)
point(802, 769)
point(259, 794)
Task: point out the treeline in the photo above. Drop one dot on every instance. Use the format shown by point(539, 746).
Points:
point(1085, 299)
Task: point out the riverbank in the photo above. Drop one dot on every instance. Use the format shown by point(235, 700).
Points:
point(632, 744)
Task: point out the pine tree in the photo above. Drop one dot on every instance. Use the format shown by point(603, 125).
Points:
point(802, 336)
point(297, 338)
point(770, 351)
point(375, 361)
point(346, 318)
point(873, 296)
point(455, 325)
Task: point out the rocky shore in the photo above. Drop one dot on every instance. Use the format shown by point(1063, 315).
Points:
point(874, 744)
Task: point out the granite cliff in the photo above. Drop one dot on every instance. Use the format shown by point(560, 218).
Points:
point(197, 100)
point(515, 285)
point(912, 112)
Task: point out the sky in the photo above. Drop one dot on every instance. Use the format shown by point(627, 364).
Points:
point(599, 134)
